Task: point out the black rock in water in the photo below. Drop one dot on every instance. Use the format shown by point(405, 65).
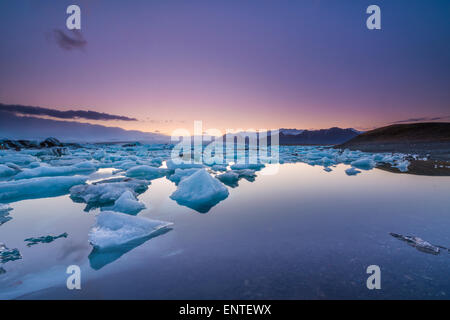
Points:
point(419, 244)
point(44, 239)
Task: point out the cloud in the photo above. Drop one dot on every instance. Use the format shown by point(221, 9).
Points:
point(421, 119)
point(74, 40)
point(70, 114)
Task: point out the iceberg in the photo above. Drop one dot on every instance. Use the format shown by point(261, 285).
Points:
point(114, 229)
point(352, 171)
point(253, 166)
point(219, 167)
point(181, 174)
point(45, 171)
point(364, 164)
point(42, 187)
point(4, 213)
point(107, 191)
point(127, 203)
point(200, 191)
point(402, 165)
point(146, 172)
point(172, 165)
point(6, 171)
point(229, 178)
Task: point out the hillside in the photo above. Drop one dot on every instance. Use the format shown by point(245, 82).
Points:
point(317, 137)
point(422, 138)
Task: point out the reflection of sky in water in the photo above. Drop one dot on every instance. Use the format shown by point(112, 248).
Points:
point(302, 233)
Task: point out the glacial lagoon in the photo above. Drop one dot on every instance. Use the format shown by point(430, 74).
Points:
point(307, 232)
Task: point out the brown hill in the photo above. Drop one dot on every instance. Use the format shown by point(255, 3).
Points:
point(431, 138)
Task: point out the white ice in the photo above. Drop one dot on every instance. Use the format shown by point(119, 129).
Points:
point(127, 203)
point(200, 191)
point(114, 229)
point(38, 187)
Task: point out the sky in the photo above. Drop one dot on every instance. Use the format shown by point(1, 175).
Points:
point(247, 64)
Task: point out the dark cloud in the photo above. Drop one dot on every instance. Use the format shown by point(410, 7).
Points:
point(70, 114)
point(74, 40)
point(421, 119)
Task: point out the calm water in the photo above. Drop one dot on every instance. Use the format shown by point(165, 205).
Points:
point(302, 233)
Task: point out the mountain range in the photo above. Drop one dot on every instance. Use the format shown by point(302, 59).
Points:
point(17, 127)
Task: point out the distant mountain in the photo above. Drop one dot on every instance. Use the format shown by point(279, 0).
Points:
point(288, 132)
point(317, 137)
point(421, 138)
point(31, 128)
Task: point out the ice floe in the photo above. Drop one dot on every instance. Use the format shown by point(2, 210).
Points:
point(180, 174)
point(42, 187)
point(4, 213)
point(114, 229)
point(146, 172)
point(85, 167)
point(127, 203)
point(106, 192)
point(200, 191)
point(352, 171)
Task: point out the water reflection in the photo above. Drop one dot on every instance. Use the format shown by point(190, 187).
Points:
point(98, 258)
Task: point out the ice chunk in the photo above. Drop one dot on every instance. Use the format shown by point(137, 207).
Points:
point(402, 165)
point(18, 158)
point(364, 163)
point(114, 229)
point(106, 192)
point(4, 213)
point(38, 187)
point(253, 166)
point(7, 254)
point(352, 171)
point(44, 239)
point(146, 172)
point(219, 167)
point(181, 174)
point(229, 178)
point(172, 165)
point(200, 191)
point(45, 171)
point(6, 171)
point(327, 169)
point(127, 203)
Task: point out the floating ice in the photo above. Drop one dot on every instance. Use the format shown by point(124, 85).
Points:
point(107, 191)
point(402, 165)
point(6, 171)
point(146, 172)
point(172, 165)
point(44, 239)
point(352, 171)
point(229, 178)
point(127, 203)
point(181, 174)
point(219, 167)
point(364, 163)
point(42, 187)
point(45, 171)
point(200, 191)
point(253, 166)
point(4, 213)
point(114, 229)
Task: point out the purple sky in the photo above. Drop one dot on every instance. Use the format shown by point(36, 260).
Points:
point(233, 64)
